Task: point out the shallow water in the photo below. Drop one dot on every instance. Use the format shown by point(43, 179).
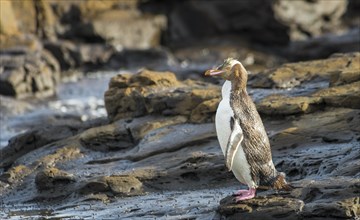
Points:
point(81, 99)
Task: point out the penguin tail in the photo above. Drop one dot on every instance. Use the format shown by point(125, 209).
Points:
point(281, 184)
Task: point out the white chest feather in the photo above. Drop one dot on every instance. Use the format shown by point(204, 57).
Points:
point(224, 113)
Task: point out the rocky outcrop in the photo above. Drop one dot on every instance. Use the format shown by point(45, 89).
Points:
point(160, 93)
point(27, 70)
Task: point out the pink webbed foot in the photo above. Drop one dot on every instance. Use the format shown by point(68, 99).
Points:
point(245, 194)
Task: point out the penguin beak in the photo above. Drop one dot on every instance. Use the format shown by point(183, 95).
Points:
point(214, 72)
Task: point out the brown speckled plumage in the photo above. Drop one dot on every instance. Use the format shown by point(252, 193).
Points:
point(255, 141)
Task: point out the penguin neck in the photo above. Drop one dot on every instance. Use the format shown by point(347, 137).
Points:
point(239, 78)
point(238, 85)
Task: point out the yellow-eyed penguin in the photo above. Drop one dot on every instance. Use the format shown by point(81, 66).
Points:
point(242, 135)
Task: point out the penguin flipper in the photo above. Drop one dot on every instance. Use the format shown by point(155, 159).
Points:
point(233, 144)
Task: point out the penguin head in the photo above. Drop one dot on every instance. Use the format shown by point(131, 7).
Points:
point(231, 69)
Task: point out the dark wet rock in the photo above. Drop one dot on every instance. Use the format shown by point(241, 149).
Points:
point(283, 105)
point(122, 185)
point(293, 74)
point(329, 121)
point(34, 139)
point(308, 200)
point(53, 178)
point(327, 138)
point(150, 92)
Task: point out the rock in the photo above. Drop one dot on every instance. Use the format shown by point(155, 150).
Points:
point(122, 26)
point(344, 77)
point(328, 138)
point(65, 52)
point(310, 18)
point(124, 134)
point(274, 207)
point(341, 96)
point(8, 23)
point(28, 70)
point(331, 122)
point(28, 17)
point(53, 178)
point(293, 74)
point(117, 185)
point(32, 140)
point(73, 56)
point(283, 105)
point(306, 201)
point(15, 173)
point(204, 112)
point(151, 92)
